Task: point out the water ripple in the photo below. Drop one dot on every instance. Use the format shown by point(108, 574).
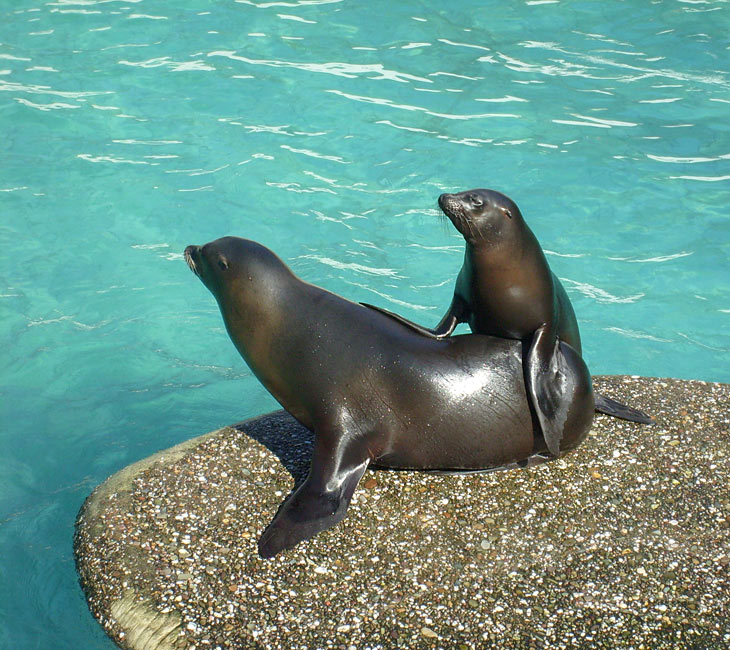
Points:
point(150, 247)
point(113, 159)
point(602, 62)
point(147, 142)
point(204, 188)
point(687, 159)
point(298, 19)
point(701, 343)
point(347, 70)
point(121, 45)
point(357, 186)
point(45, 107)
point(83, 12)
point(196, 172)
point(414, 129)
point(320, 216)
point(297, 187)
point(147, 16)
point(663, 100)
point(458, 44)
point(562, 69)
point(70, 319)
point(277, 130)
point(598, 294)
point(298, 3)
point(409, 107)
point(438, 249)
point(391, 299)
point(10, 86)
point(10, 57)
point(165, 61)
point(659, 258)
point(86, 3)
point(603, 121)
point(708, 179)
point(636, 335)
point(352, 266)
point(314, 154)
point(549, 252)
point(604, 38)
point(456, 76)
point(579, 123)
point(499, 100)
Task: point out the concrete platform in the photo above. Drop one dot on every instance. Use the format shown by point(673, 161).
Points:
point(625, 543)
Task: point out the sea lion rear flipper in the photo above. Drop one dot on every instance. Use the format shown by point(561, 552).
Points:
point(453, 316)
point(322, 500)
point(548, 385)
point(616, 409)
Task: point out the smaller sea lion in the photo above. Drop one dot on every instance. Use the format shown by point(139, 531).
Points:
point(506, 288)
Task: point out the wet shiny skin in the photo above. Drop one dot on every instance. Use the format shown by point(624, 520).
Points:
point(371, 389)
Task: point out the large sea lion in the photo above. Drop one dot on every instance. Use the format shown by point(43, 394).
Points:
point(374, 392)
point(506, 288)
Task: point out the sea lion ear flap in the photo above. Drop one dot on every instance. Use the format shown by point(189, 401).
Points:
point(506, 212)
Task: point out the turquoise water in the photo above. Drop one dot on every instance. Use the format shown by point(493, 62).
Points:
point(324, 129)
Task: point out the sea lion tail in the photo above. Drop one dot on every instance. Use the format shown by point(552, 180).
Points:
point(616, 409)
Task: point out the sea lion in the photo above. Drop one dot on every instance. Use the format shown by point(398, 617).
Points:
point(506, 288)
point(374, 392)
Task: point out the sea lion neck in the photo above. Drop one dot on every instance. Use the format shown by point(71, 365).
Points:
point(248, 298)
point(486, 254)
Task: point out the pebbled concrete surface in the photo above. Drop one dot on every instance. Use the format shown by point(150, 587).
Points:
point(625, 543)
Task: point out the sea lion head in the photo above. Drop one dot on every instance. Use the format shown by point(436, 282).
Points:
point(481, 216)
point(234, 267)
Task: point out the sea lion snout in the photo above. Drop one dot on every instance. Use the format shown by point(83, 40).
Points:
point(207, 262)
point(192, 255)
point(453, 208)
point(450, 205)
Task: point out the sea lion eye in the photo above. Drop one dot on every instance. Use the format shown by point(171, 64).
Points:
point(222, 264)
point(476, 201)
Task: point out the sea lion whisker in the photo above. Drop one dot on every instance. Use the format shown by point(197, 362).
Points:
point(445, 221)
point(471, 228)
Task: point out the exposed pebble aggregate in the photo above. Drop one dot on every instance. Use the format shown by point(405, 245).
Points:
point(624, 543)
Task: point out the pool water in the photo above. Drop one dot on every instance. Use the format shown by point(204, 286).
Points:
point(324, 129)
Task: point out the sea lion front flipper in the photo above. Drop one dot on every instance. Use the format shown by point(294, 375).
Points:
point(548, 385)
point(322, 500)
point(618, 410)
point(453, 316)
